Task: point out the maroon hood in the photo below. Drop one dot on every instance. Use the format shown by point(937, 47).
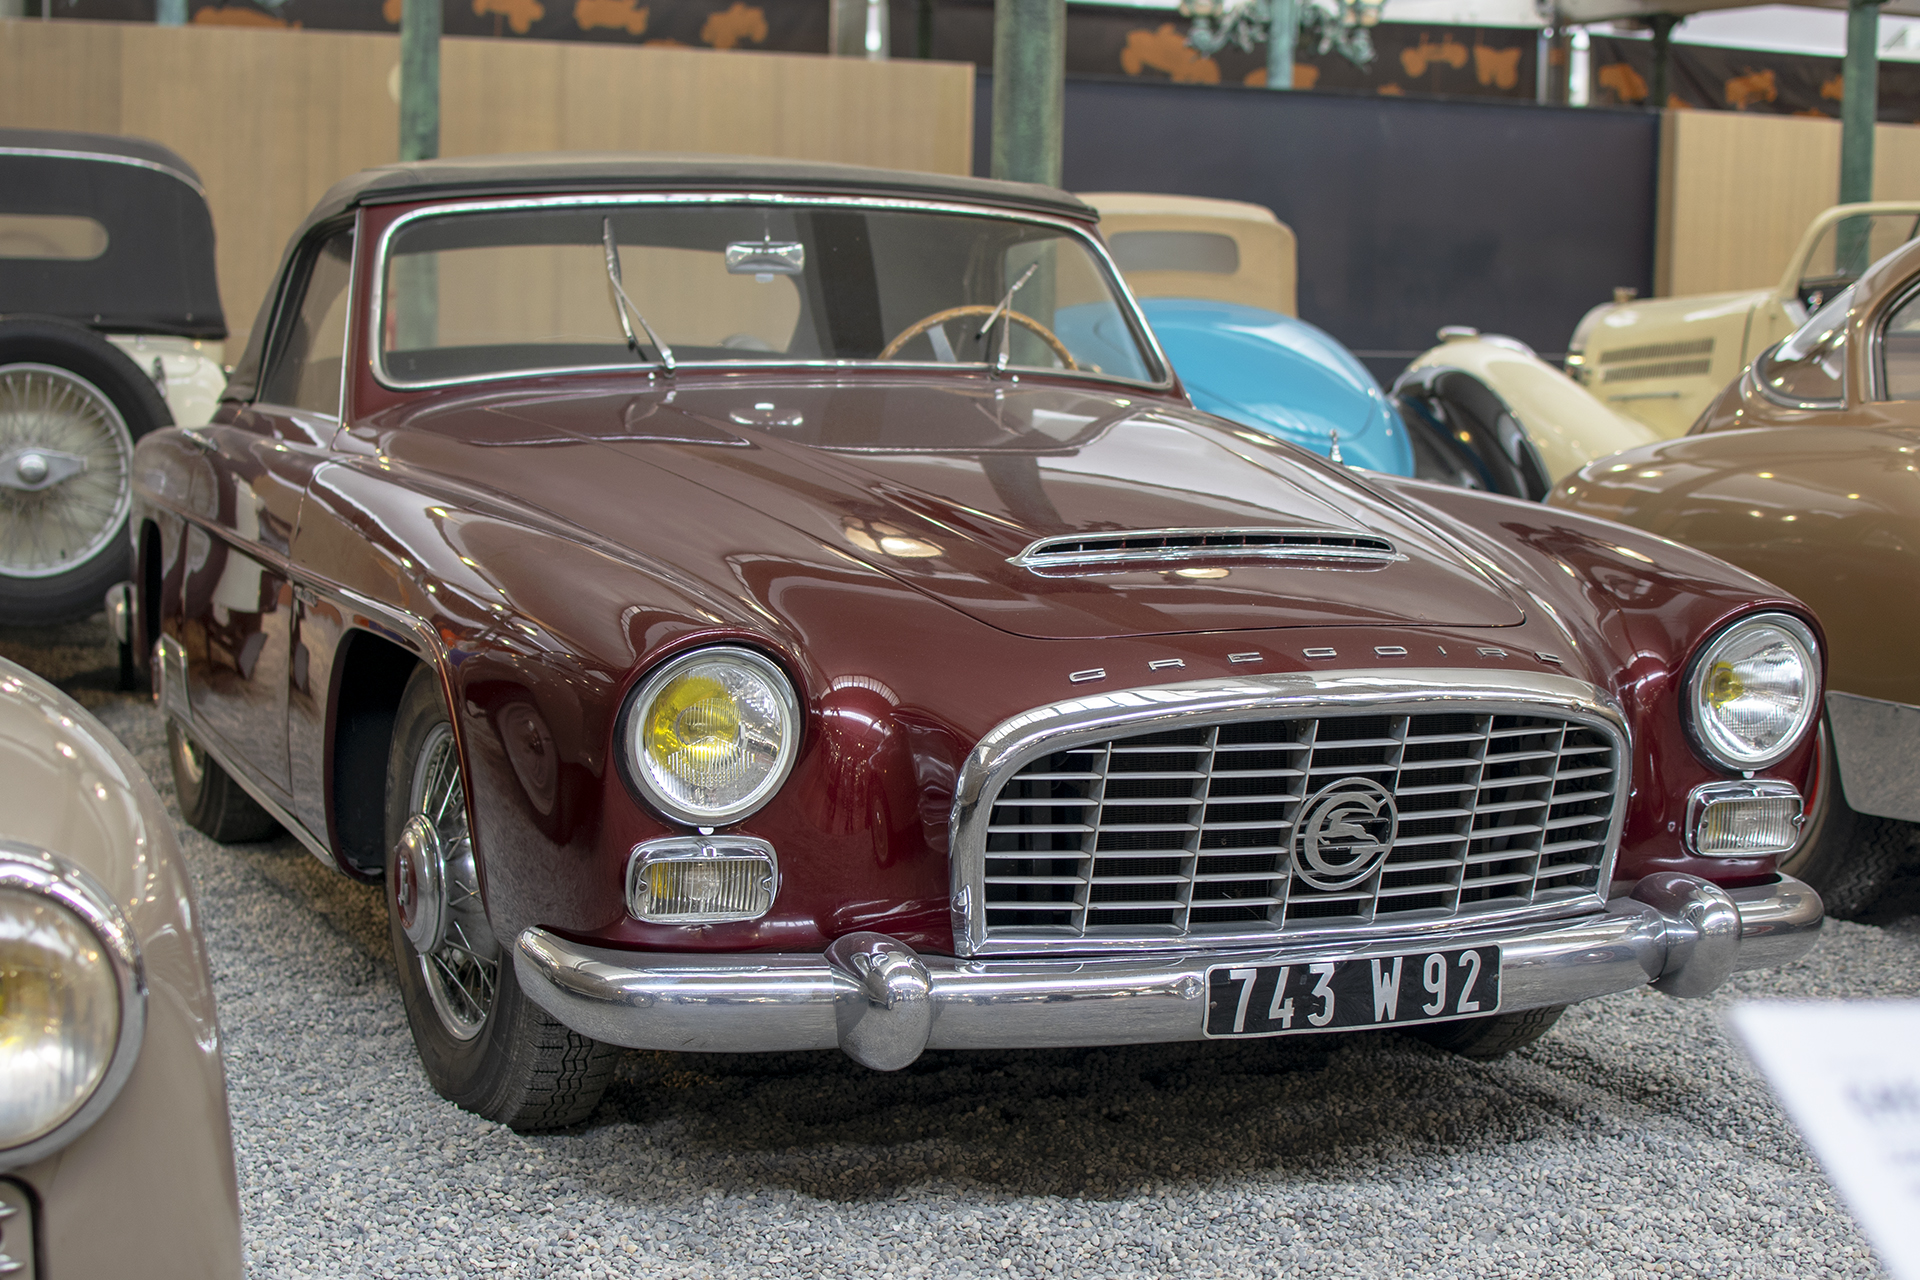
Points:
point(941, 483)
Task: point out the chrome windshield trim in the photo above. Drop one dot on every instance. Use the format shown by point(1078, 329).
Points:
point(31, 869)
point(1146, 709)
point(376, 357)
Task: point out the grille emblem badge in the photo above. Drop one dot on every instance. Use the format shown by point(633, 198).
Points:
point(1345, 832)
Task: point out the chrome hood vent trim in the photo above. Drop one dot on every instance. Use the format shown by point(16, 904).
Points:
point(1137, 548)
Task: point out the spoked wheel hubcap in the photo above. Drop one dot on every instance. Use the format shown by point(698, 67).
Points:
point(436, 893)
point(66, 466)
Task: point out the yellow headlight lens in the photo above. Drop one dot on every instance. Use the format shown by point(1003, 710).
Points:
point(712, 734)
point(1754, 691)
point(59, 1015)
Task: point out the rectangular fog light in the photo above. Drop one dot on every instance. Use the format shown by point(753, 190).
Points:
point(1744, 819)
point(700, 880)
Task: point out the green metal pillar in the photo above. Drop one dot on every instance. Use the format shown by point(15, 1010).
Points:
point(419, 79)
point(1859, 101)
point(1662, 25)
point(1029, 88)
point(170, 13)
point(1283, 28)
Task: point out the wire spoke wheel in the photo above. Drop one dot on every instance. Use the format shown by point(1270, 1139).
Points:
point(462, 972)
point(66, 468)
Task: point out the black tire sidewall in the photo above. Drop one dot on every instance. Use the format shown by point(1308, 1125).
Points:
point(467, 1072)
point(84, 353)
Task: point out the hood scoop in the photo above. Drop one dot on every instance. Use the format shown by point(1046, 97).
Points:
point(1080, 554)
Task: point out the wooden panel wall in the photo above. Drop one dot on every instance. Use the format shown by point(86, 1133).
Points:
point(1737, 191)
point(271, 119)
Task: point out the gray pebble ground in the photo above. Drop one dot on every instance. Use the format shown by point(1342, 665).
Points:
point(1632, 1141)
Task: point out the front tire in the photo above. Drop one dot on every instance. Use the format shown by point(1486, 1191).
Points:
point(485, 1046)
point(1849, 857)
point(1492, 1037)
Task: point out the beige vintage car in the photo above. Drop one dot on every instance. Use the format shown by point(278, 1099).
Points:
point(1662, 360)
point(1806, 471)
point(116, 1157)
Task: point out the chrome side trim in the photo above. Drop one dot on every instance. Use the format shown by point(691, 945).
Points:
point(38, 871)
point(1093, 717)
point(1877, 744)
point(875, 998)
point(1143, 332)
point(1119, 551)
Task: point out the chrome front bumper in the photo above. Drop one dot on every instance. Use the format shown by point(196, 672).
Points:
point(884, 1004)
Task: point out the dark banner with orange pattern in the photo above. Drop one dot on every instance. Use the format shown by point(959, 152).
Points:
point(1132, 43)
point(1712, 78)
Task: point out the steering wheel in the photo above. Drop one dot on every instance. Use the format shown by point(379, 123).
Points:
point(925, 323)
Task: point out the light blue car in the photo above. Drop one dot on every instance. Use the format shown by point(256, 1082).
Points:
point(1282, 376)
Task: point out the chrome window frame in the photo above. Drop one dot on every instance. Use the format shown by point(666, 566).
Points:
point(1758, 370)
point(376, 355)
point(31, 869)
point(1876, 341)
point(271, 352)
point(1148, 709)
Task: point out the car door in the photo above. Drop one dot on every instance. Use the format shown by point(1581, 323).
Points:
point(239, 598)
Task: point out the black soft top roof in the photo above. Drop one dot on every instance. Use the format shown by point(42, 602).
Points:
point(613, 171)
point(156, 273)
point(641, 171)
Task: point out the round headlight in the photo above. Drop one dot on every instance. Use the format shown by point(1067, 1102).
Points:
point(71, 1002)
point(1752, 691)
point(712, 734)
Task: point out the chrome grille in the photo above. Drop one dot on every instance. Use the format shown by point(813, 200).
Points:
point(1188, 832)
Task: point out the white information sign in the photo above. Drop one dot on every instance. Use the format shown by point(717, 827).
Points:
point(1849, 1075)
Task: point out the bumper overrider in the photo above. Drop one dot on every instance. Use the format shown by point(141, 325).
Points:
point(875, 998)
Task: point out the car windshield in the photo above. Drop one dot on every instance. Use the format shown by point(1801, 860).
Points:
point(1808, 370)
point(505, 291)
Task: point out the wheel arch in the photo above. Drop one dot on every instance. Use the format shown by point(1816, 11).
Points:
point(371, 673)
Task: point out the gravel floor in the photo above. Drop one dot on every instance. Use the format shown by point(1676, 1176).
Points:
point(1633, 1141)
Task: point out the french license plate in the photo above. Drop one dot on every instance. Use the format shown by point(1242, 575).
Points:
point(1338, 995)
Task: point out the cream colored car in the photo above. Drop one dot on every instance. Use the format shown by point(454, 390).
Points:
point(1662, 360)
point(116, 1156)
point(1485, 412)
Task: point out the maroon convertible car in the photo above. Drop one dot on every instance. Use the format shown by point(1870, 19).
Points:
point(753, 605)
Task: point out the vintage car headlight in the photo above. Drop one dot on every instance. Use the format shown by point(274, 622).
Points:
point(1751, 693)
point(712, 734)
point(72, 1002)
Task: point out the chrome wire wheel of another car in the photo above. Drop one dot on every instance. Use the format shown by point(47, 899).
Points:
point(72, 407)
point(66, 470)
point(484, 1044)
point(210, 800)
point(437, 892)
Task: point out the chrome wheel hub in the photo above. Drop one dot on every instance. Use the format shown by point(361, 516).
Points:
point(66, 467)
point(436, 893)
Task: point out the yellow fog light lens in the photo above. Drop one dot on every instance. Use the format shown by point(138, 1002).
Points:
point(1753, 691)
point(712, 734)
point(1744, 819)
point(683, 880)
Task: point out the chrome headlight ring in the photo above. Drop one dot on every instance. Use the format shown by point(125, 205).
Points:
point(1710, 732)
point(757, 686)
point(31, 870)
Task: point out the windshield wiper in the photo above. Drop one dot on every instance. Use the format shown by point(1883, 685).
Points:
point(623, 305)
point(1006, 330)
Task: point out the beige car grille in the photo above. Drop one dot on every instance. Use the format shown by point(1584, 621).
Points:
point(1190, 832)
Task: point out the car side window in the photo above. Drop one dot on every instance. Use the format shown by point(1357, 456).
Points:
point(1900, 350)
point(310, 348)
